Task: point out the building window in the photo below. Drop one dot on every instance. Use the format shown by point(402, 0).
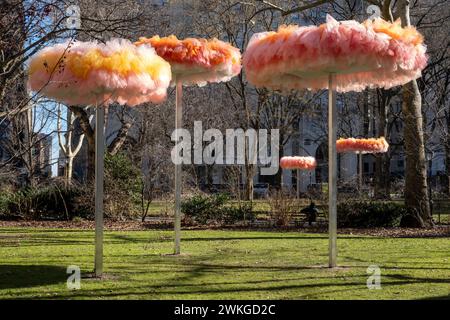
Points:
point(400, 163)
point(307, 142)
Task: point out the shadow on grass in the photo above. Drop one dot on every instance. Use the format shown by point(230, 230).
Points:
point(200, 289)
point(24, 276)
point(437, 298)
point(188, 239)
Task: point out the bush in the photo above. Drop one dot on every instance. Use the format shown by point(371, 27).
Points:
point(26, 203)
point(47, 202)
point(5, 202)
point(202, 208)
point(232, 214)
point(369, 214)
point(207, 208)
point(282, 208)
point(123, 186)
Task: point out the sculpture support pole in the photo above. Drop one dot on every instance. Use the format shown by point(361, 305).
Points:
point(178, 124)
point(99, 174)
point(332, 171)
point(298, 184)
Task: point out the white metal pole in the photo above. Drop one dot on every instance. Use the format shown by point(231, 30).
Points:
point(332, 171)
point(178, 124)
point(99, 173)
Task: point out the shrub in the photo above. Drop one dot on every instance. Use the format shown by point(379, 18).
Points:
point(202, 208)
point(232, 214)
point(48, 202)
point(368, 214)
point(282, 208)
point(5, 203)
point(25, 203)
point(123, 185)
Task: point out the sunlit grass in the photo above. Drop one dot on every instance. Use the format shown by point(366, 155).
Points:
point(220, 265)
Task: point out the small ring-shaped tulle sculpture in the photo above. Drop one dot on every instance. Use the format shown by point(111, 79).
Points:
point(301, 163)
point(372, 54)
point(371, 145)
point(91, 73)
point(197, 61)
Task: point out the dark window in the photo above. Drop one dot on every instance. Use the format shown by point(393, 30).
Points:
point(366, 167)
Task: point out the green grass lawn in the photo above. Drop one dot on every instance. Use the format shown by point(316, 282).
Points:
point(220, 265)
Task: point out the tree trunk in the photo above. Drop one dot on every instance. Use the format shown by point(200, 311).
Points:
point(120, 139)
point(279, 175)
point(249, 168)
point(249, 174)
point(89, 133)
point(416, 190)
point(90, 159)
point(69, 170)
point(447, 167)
point(447, 158)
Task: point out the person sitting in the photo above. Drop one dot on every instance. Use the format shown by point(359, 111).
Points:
point(311, 212)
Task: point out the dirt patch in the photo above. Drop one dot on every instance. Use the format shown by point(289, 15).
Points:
point(85, 225)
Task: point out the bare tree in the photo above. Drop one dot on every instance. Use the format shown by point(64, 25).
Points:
point(66, 147)
point(28, 26)
point(416, 189)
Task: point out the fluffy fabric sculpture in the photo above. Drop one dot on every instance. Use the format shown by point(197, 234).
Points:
point(91, 73)
point(371, 145)
point(370, 54)
point(197, 61)
point(303, 163)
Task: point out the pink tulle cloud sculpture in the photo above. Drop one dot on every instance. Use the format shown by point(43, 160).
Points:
point(371, 145)
point(197, 61)
point(371, 54)
point(91, 73)
point(302, 163)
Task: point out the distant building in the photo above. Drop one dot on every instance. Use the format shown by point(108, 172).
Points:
point(42, 153)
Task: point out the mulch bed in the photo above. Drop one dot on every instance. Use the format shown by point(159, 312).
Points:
point(438, 231)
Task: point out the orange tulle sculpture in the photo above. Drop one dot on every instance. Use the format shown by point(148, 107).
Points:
point(91, 73)
point(302, 163)
point(375, 53)
point(371, 145)
point(197, 61)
